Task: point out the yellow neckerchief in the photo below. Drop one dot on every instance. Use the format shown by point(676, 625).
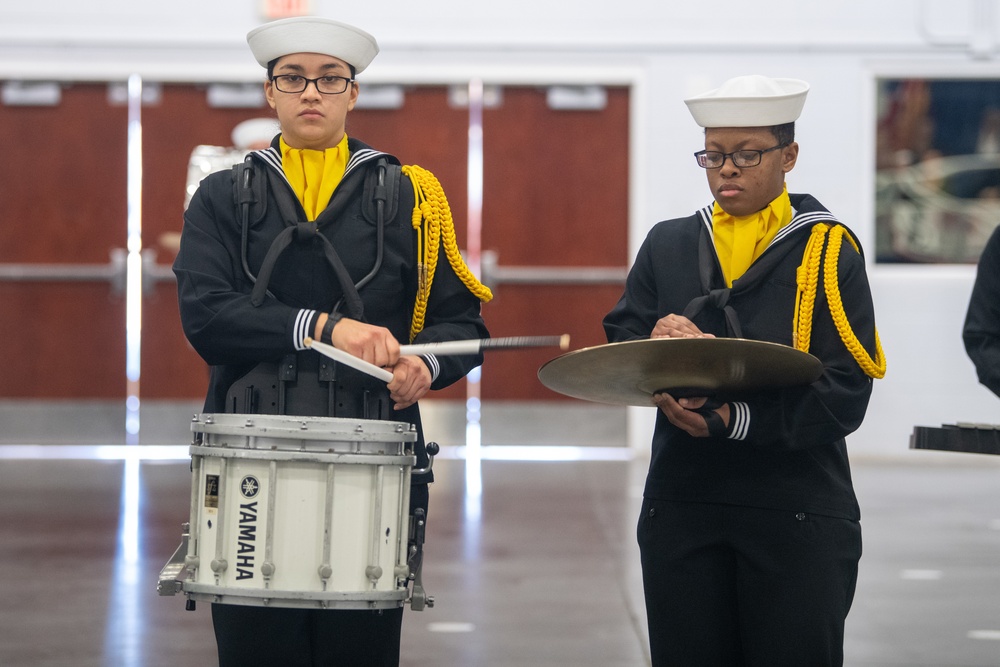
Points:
point(739, 241)
point(314, 175)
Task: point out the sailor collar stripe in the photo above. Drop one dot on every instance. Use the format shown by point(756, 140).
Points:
point(706, 216)
point(798, 221)
point(272, 157)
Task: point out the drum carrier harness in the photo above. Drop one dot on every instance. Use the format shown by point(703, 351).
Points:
point(303, 383)
point(308, 384)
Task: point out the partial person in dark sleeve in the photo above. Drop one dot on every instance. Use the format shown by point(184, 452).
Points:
point(981, 332)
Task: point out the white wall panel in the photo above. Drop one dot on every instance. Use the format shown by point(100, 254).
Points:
point(772, 24)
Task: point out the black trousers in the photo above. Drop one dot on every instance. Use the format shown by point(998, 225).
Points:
point(730, 586)
point(274, 637)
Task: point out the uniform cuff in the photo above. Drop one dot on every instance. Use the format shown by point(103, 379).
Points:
point(739, 421)
point(433, 365)
point(305, 325)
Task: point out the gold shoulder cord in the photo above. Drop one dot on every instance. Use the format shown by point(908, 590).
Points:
point(432, 220)
point(807, 278)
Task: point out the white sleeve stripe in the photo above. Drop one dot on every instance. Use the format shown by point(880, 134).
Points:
point(740, 421)
point(300, 330)
point(433, 365)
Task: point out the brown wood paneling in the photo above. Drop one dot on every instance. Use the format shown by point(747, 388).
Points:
point(555, 194)
point(62, 341)
point(62, 201)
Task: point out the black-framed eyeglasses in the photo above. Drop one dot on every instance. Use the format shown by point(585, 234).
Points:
point(743, 158)
point(295, 83)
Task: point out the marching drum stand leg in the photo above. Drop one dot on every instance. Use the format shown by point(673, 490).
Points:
point(418, 524)
point(182, 565)
point(418, 527)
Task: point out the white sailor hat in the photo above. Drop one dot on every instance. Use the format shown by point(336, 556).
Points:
point(311, 34)
point(750, 101)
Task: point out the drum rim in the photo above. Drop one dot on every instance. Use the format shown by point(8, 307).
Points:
point(292, 598)
point(304, 428)
point(307, 456)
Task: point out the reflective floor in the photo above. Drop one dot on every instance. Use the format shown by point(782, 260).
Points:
point(531, 562)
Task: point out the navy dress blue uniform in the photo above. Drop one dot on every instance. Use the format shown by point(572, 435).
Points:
point(750, 541)
point(238, 339)
point(256, 278)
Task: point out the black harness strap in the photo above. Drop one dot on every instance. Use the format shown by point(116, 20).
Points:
point(304, 383)
point(305, 232)
point(245, 195)
point(379, 194)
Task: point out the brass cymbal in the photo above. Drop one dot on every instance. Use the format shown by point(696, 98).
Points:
point(629, 373)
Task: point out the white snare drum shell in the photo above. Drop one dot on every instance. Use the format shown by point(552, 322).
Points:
point(270, 524)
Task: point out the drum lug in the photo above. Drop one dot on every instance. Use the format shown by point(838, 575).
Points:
point(374, 573)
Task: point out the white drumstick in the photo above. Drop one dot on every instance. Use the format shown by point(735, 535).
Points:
point(349, 360)
point(475, 346)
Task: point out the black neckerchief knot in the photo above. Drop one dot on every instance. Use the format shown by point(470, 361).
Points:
point(302, 232)
point(718, 298)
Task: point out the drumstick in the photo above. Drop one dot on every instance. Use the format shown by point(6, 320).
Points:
point(477, 345)
point(349, 359)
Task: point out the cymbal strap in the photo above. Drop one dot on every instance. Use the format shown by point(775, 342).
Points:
point(716, 427)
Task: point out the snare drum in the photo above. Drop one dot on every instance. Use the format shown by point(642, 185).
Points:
point(299, 511)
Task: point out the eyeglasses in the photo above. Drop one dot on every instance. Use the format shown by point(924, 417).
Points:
point(742, 159)
point(294, 83)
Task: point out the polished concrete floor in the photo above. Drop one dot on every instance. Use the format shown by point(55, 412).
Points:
point(531, 562)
